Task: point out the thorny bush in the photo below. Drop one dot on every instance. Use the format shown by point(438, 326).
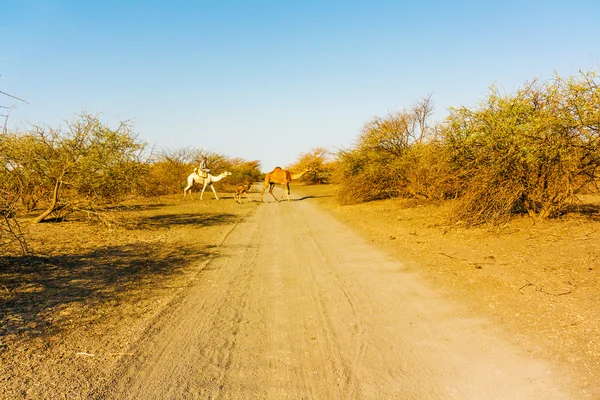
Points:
point(527, 153)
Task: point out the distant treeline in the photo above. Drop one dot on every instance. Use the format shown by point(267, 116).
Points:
point(88, 167)
point(531, 152)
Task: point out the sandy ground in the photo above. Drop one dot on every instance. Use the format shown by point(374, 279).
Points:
point(213, 299)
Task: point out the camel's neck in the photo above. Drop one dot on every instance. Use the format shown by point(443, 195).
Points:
point(299, 174)
point(218, 177)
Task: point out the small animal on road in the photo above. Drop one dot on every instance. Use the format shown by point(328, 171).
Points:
point(240, 190)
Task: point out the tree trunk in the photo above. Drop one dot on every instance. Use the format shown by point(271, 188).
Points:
point(53, 203)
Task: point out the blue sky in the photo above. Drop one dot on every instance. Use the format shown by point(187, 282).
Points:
point(269, 80)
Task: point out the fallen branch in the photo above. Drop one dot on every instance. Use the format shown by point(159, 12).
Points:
point(454, 258)
point(541, 289)
point(524, 286)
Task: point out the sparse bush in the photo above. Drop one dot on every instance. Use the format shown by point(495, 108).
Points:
point(78, 169)
point(527, 153)
point(319, 160)
point(390, 158)
point(170, 169)
point(426, 172)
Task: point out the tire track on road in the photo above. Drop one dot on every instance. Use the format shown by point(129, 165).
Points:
point(297, 306)
point(321, 272)
point(182, 352)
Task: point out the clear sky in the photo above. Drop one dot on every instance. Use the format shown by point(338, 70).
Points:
point(269, 80)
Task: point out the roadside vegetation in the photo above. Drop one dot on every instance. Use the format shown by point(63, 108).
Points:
point(88, 169)
point(322, 164)
point(94, 236)
point(169, 169)
point(533, 152)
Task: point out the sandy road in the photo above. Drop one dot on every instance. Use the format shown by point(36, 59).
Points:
point(297, 306)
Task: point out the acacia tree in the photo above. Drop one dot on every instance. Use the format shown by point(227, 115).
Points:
point(375, 167)
point(526, 153)
point(169, 169)
point(319, 160)
point(80, 168)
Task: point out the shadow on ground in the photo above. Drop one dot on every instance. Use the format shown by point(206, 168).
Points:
point(201, 219)
point(136, 207)
point(312, 197)
point(34, 290)
point(591, 211)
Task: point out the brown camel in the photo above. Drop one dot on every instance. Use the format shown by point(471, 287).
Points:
point(240, 190)
point(280, 176)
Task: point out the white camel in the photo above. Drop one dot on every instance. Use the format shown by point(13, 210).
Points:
point(194, 177)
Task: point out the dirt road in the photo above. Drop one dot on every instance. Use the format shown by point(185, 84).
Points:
point(297, 306)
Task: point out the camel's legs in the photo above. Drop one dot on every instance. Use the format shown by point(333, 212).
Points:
point(214, 191)
point(262, 192)
point(288, 191)
point(271, 191)
point(189, 187)
point(238, 197)
point(271, 187)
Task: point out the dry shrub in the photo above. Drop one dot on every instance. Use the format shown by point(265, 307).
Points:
point(391, 158)
point(527, 153)
point(426, 173)
point(488, 201)
point(79, 167)
point(242, 172)
point(366, 176)
point(12, 235)
point(170, 169)
point(319, 161)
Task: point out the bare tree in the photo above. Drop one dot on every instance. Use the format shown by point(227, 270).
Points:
point(8, 109)
point(383, 162)
point(398, 131)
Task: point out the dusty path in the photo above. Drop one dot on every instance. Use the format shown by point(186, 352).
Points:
point(299, 307)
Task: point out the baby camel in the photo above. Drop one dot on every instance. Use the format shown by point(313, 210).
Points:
point(283, 177)
point(240, 190)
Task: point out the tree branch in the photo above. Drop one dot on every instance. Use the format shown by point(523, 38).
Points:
point(14, 97)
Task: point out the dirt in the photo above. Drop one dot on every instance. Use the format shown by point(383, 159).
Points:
point(302, 299)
